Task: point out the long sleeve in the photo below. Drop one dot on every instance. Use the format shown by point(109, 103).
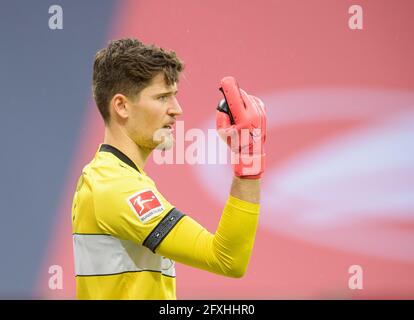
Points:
point(227, 252)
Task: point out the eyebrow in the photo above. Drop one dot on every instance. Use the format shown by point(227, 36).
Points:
point(166, 93)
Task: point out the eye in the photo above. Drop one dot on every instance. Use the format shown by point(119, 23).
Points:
point(163, 98)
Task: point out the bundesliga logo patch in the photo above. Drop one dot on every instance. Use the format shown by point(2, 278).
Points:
point(145, 204)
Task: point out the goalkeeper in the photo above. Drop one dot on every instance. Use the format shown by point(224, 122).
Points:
point(126, 235)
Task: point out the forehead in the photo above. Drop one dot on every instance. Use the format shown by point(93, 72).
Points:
point(158, 84)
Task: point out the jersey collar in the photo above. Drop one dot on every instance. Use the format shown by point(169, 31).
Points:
point(119, 154)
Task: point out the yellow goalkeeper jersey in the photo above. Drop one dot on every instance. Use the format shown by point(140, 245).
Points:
point(127, 236)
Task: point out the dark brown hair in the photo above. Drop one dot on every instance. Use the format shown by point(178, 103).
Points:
point(127, 66)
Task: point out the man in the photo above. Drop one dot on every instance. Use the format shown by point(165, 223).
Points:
point(126, 234)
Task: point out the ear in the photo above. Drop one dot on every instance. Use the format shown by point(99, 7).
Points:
point(118, 106)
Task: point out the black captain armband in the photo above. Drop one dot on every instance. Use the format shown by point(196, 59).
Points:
point(162, 229)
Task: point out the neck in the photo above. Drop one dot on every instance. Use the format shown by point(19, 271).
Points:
point(120, 140)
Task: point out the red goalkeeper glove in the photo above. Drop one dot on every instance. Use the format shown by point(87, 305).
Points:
point(241, 122)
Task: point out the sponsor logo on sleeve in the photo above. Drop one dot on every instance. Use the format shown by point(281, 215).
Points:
point(145, 204)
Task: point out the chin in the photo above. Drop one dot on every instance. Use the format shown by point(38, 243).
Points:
point(166, 144)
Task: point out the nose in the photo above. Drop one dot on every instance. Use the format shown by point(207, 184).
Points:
point(175, 108)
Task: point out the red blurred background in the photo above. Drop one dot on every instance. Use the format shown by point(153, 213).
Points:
point(339, 184)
